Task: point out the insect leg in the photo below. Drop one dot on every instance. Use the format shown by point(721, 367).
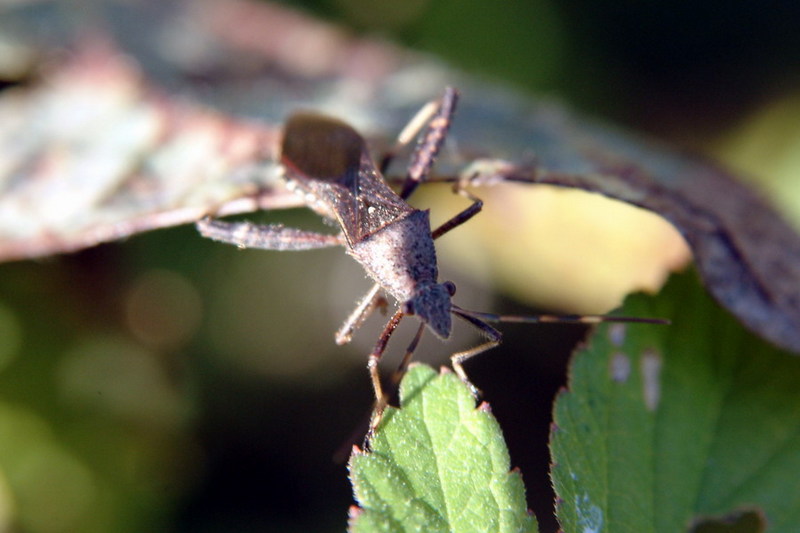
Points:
point(403, 366)
point(265, 237)
point(458, 358)
point(381, 400)
point(365, 307)
point(410, 131)
point(479, 321)
point(397, 376)
point(429, 145)
point(436, 111)
point(466, 214)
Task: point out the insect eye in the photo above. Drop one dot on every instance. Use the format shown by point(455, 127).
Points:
point(408, 308)
point(450, 287)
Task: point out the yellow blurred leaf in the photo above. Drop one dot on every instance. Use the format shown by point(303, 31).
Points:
point(563, 249)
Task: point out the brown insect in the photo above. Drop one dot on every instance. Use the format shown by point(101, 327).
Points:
point(326, 162)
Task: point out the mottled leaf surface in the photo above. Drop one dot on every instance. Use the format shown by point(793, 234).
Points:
point(664, 425)
point(437, 464)
point(91, 155)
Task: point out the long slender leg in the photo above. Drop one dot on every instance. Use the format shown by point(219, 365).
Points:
point(265, 237)
point(374, 359)
point(394, 383)
point(457, 359)
point(365, 307)
point(463, 216)
point(437, 114)
point(410, 131)
point(403, 366)
point(428, 147)
point(381, 396)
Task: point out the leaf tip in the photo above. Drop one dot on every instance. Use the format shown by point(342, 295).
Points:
point(354, 513)
point(357, 450)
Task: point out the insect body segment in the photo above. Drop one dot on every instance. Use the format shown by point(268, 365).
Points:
point(401, 258)
point(326, 162)
point(389, 238)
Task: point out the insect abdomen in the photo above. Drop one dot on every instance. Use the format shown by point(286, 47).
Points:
point(400, 256)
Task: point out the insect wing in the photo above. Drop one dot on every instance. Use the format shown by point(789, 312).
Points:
point(376, 204)
point(316, 152)
point(328, 162)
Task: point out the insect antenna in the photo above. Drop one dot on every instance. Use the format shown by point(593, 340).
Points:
point(554, 319)
point(480, 321)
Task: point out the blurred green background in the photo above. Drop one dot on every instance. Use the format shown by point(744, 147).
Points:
point(168, 383)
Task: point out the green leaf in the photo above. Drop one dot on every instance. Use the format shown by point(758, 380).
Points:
point(437, 464)
point(665, 424)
